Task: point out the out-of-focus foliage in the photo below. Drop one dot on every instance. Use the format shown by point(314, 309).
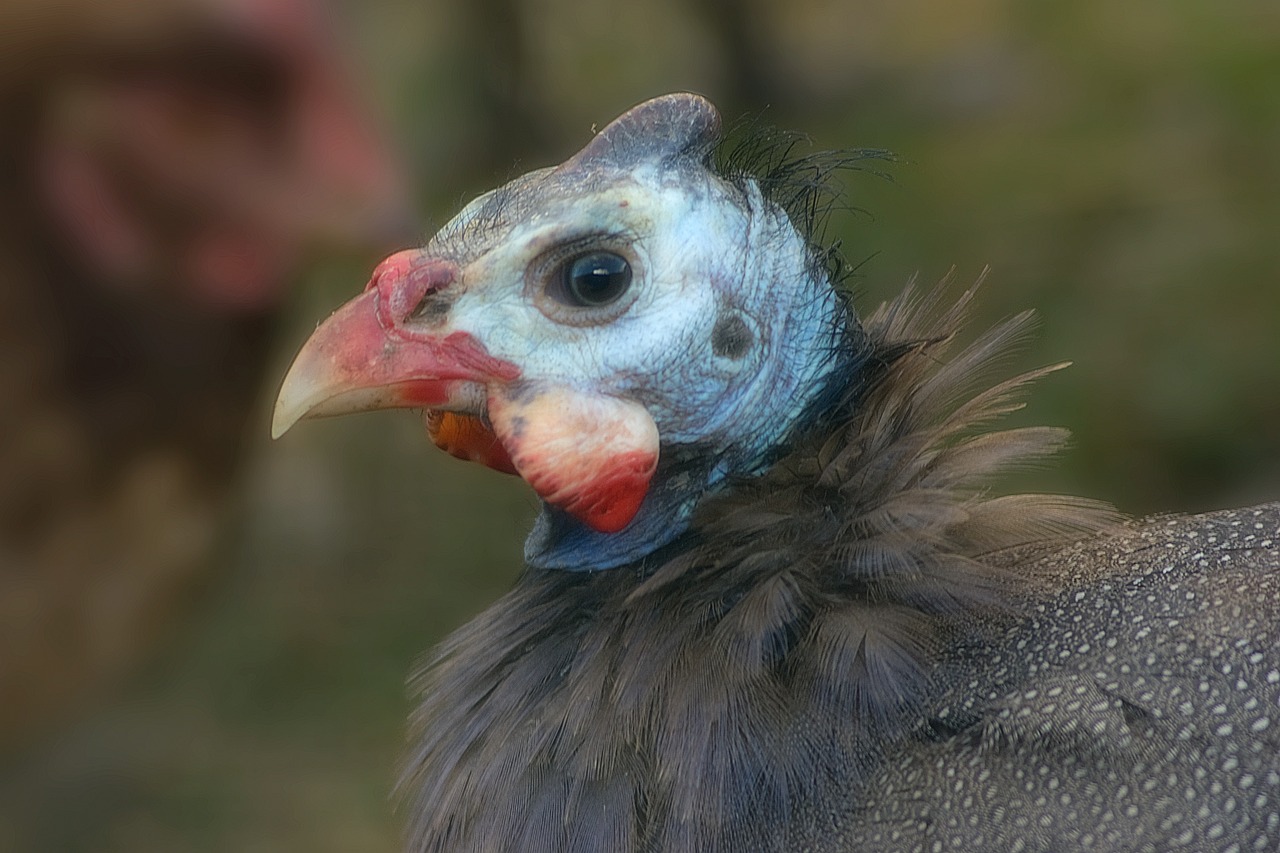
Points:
point(1117, 166)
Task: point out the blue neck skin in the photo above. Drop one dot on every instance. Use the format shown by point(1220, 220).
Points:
point(559, 541)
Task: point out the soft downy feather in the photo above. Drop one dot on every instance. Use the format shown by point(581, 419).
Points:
point(770, 655)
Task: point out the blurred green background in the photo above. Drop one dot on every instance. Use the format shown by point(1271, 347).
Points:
point(1116, 165)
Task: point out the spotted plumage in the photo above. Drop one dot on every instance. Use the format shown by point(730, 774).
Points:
point(771, 602)
point(1136, 709)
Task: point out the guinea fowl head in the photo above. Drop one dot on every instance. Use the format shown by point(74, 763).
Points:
point(626, 331)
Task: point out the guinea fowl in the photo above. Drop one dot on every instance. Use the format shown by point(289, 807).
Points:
point(770, 603)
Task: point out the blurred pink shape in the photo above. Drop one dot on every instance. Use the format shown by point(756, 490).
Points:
point(169, 164)
point(205, 158)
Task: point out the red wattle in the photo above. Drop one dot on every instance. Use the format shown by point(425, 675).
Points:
point(608, 501)
point(590, 455)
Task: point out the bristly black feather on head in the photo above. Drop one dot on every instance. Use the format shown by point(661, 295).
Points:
point(804, 183)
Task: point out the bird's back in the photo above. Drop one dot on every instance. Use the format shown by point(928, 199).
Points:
point(1138, 709)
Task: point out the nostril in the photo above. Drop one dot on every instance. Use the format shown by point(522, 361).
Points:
point(410, 286)
point(432, 307)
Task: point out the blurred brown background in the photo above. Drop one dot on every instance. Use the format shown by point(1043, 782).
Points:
point(204, 636)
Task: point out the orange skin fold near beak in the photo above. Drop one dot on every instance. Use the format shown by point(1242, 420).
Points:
point(466, 437)
point(588, 454)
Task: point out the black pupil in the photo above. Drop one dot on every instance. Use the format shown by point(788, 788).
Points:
point(597, 278)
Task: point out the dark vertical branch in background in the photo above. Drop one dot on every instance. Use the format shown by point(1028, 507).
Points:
point(506, 91)
point(752, 80)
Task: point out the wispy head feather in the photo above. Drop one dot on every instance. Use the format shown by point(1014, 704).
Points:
point(803, 182)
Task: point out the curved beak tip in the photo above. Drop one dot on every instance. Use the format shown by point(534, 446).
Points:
point(356, 360)
point(281, 420)
point(295, 400)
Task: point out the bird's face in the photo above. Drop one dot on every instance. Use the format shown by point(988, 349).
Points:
point(578, 323)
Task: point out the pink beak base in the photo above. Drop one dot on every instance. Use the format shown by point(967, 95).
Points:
point(352, 364)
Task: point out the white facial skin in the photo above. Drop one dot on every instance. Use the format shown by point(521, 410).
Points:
point(701, 252)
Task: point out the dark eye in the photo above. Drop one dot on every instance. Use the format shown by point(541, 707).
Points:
point(595, 279)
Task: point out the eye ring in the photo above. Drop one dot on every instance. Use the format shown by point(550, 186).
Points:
point(584, 285)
